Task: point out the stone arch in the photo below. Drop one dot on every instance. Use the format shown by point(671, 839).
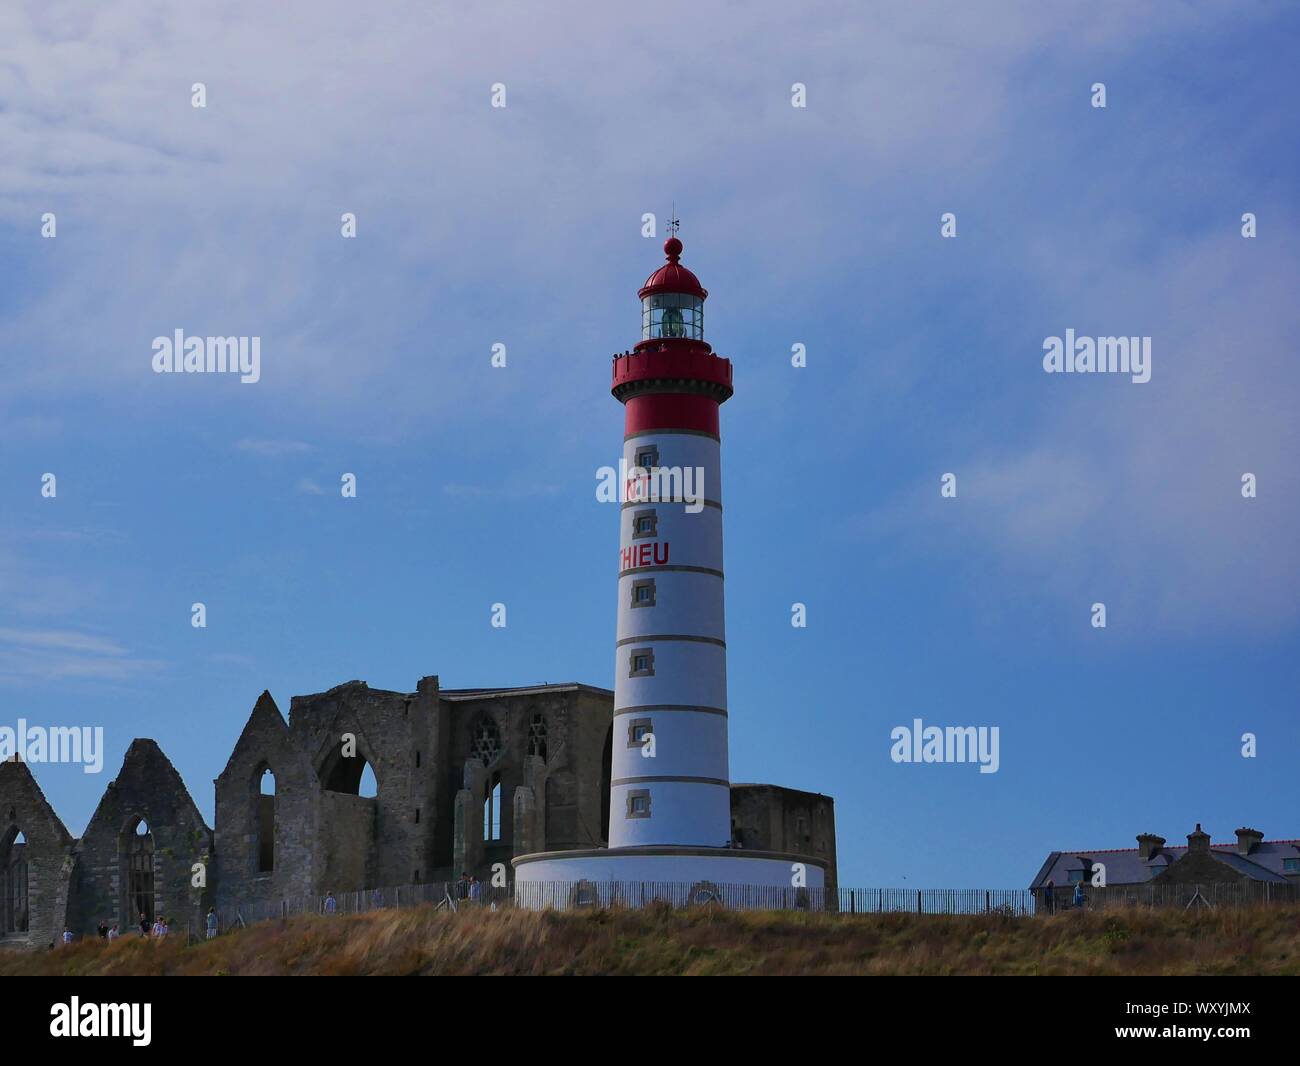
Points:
point(340, 773)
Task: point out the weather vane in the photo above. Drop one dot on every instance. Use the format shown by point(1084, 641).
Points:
point(674, 223)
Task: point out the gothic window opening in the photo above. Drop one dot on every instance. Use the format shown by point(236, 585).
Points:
point(13, 883)
point(537, 736)
point(266, 821)
point(352, 775)
point(492, 809)
point(486, 741)
point(139, 848)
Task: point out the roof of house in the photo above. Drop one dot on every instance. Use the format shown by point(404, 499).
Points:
point(1125, 866)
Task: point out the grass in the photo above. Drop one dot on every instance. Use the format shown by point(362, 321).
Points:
point(1244, 940)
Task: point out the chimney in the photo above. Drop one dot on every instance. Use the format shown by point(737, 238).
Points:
point(1198, 841)
point(1149, 845)
point(1248, 840)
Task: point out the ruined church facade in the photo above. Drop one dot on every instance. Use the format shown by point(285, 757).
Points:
point(463, 779)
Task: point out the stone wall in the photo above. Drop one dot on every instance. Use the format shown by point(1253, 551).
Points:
point(47, 853)
point(348, 844)
point(147, 789)
point(265, 744)
point(435, 755)
point(772, 818)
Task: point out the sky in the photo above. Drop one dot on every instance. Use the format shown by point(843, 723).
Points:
point(818, 225)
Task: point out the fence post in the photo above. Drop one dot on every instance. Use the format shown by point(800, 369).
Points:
point(918, 901)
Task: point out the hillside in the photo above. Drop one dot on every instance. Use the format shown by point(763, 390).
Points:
point(1255, 940)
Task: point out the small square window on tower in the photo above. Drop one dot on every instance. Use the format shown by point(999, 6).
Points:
point(645, 524)
point(638, 729)
point(643, 593)
point(638, 803)
point(641, 662)
point(647, 457)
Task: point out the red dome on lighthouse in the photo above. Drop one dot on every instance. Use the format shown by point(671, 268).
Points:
point(672, 276)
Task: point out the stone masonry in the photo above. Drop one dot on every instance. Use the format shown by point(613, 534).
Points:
point(465, 779)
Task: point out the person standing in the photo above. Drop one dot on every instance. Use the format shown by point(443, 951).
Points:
point(67, 935)
point(1049, 897)
point(113, 934)
point(144, 925)
point(211, 923)
point(331, 905)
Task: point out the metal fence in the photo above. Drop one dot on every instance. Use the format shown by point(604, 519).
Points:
point(570, 895)
point(1008, 901)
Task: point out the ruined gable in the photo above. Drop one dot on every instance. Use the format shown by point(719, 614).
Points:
point(33, 881)
point(264, 841)
point(141, 848)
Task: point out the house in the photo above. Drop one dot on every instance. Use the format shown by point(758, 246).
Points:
point(1151, 871)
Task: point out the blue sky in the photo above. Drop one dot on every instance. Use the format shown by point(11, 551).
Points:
point(818, 226)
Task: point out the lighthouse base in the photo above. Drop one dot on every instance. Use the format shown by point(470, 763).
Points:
point(682, 876)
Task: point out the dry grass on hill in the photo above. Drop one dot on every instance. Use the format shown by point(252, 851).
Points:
point(1249, 940)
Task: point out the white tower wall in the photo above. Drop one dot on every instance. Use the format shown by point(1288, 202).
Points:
point(682, 794)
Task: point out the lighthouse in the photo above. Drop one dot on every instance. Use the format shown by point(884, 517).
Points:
point(670, 789)
point(670, 781)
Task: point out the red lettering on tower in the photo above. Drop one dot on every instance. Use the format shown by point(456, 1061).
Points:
point(637, 555)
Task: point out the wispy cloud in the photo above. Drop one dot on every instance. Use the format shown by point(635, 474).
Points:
point(273, 449)
point(41, 655)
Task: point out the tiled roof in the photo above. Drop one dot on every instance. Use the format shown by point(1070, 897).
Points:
point(1125, 866)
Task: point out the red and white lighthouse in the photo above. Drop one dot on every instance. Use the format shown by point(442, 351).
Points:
point(670, 791)
point(671, 663)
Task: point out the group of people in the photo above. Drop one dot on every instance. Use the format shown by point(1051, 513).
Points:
point(158, 929)
point(1049, 896)
point(469, 887)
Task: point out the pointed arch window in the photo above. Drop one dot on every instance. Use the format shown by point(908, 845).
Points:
point(265, 815)
point(537, 736)
point(138, 849)
point(492, 809)
point(486, 740)
point(13, 882)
